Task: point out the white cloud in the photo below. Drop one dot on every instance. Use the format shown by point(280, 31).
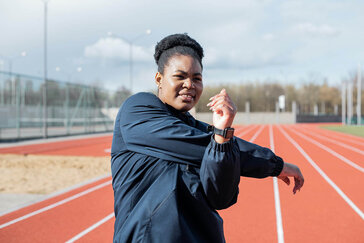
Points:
point(114, 48)
point(310, 29)
point(256, 34)
point(268, 37)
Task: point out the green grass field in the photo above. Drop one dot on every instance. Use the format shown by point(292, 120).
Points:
point(353, 130)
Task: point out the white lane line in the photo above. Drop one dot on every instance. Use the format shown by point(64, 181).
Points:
point(349, 162)
point(112, 214)
point(57, 139)
point(256, 134)
point(89, 229)
point(331, 183)
point(246, 131)
point(57, 193)
point(241, 128)
point(336, 135)
point(55, 204)
point(334, 142)
point(277, 201)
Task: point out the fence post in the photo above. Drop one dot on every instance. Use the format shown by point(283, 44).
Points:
point(358, 100)
point(294, 111)
point(17, 107)
point(343, 103)
point(350, 102)
point(315, 109)
point(2, 101)
point(67, 109)
point(22, 88)
point(106, 103)
point(323, 108)
point(44, 109)
point(84, 110)
point(247, 111)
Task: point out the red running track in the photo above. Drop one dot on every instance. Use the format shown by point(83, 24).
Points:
point(329, 207)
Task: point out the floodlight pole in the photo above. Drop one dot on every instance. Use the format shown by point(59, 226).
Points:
point(131, 65)
point(130, 42)
point(45, 130)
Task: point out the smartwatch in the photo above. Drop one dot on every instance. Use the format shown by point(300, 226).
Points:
point(226, 133)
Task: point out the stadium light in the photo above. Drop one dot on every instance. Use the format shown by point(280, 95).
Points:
point(130, 42)
point(45, 130)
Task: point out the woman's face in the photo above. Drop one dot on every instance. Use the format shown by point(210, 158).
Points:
point(180, 86)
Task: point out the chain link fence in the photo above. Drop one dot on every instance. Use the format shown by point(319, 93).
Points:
point(70, 108)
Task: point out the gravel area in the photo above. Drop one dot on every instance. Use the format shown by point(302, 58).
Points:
point(44, 174)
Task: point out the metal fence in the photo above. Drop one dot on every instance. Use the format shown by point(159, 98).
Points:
point(70, 108)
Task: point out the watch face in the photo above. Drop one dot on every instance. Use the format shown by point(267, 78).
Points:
point(229, 133)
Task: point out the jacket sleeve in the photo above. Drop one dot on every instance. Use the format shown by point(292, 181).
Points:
point(149, 128)
point(220, 173)
point(257, 161)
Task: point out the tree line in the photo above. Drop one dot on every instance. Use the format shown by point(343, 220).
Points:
point(262, 97)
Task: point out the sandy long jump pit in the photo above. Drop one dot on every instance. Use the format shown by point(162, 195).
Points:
point(44, 174)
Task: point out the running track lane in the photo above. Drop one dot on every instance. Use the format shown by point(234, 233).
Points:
point(317, 213)
point(351, 152)
point(342, 137)
point(347, 178)
point(305, 226)
point(96, 146)
point(236, 227)
point(104, 232)
point(254, 212)
point(60, 222)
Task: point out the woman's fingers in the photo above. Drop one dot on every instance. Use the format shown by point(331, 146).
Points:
point(291, 170)
point(222, 98)
point(285, 179)
point(220, 103)
point(221, 94)
point(298, 183)
point(218, 98)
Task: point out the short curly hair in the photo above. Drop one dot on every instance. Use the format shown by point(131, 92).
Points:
point(176, 44)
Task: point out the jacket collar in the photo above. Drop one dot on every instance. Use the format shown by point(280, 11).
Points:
point(186, 117)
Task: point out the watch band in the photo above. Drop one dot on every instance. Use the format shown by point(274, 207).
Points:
point(226, 133)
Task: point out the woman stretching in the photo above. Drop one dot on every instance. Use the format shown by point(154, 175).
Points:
point(171, 172)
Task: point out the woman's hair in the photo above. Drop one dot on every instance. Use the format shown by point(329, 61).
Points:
point(177, 44)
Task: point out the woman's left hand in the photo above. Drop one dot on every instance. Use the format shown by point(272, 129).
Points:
point(291, 170)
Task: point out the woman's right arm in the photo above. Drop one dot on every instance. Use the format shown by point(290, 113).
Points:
point(148, 128)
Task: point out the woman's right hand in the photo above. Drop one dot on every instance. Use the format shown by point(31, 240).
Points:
point(224, 111)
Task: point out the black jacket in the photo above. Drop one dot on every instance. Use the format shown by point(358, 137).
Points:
point(170, 176)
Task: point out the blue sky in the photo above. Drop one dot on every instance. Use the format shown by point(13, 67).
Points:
point(291, 41)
